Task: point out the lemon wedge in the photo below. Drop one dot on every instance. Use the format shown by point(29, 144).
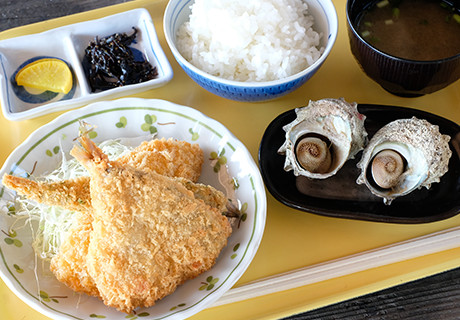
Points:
point(46, 74)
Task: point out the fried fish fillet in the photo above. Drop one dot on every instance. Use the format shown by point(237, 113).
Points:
point(75, 195)
point(69, 265)
point(150, 233)
point(72, 194)
point(168, 157)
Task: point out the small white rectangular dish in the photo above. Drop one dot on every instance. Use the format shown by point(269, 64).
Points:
point(68, 43)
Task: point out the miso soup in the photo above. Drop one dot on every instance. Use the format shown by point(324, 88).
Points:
point(412, 29)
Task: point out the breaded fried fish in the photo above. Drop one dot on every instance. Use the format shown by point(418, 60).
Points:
point(168, 157)
point(150, 233)
point(69, 265)
point(74, 194)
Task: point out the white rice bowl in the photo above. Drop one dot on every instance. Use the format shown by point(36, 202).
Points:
point(255, 40)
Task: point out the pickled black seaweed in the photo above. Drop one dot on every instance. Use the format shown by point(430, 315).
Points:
point(110, 63)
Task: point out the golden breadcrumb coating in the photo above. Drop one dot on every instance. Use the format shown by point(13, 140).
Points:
point(69, 194)
point(211, 196)
point(69, 266)
point(166, 157)
point(74, 194)
point(150, 233)
point(169, 157)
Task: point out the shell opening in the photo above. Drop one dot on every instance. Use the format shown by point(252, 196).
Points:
point(313, 153)
point(386, 169)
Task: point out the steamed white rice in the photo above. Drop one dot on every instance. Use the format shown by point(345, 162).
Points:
point(250, 40)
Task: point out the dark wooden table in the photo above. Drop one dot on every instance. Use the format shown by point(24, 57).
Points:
point(435, 297)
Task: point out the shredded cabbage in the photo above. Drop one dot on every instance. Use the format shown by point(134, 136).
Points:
point(54, 222)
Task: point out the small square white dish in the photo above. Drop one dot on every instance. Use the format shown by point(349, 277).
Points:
point(68, 43)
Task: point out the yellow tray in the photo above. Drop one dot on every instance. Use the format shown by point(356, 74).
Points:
point(338, 259)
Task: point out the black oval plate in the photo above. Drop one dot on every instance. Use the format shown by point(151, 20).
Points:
point(340, 196)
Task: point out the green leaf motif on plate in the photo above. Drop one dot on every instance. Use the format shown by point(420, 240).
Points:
point(148, 126)
point(97, 316)
point(243, 213)
point(92, 134)
point(150, 119)
point(209, 284)
point(47, 298)
point(138, 315)
point(221, 159)
point(18, 268)
point(195, 135)
point(10, 239)
point(180, 305)
point(50, 153)
point(243, 210)
point(122, 123)
point(235, 249)
point(11, 209)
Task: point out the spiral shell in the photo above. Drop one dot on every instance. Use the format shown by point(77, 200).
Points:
point(424, 152)
point(336, 123)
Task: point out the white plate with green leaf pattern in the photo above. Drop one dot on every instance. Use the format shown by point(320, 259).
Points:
point(30, 279)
